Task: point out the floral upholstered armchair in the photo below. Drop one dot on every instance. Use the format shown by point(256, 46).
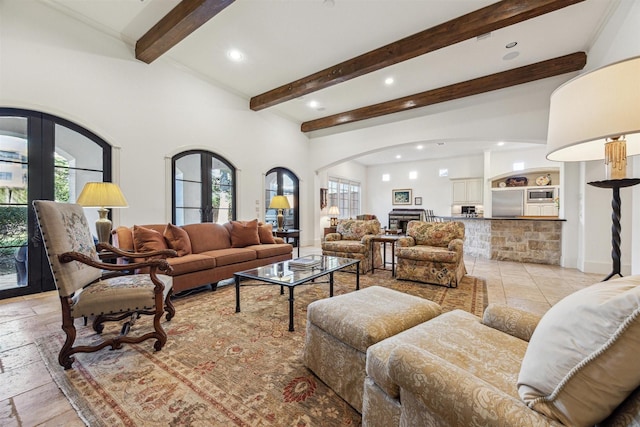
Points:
point(352, 239)
point(432, 252)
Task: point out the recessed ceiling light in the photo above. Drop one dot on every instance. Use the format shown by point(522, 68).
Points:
point(420, 147)
point(389, 81)
point(235, 55)
point(512, 44)
point(313, 104)
point(398, 156)
point(500, 143)
point(510, 55)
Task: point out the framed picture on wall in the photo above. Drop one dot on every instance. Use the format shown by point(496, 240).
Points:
point(401, 197)
point(323, 198)
point(417, 201)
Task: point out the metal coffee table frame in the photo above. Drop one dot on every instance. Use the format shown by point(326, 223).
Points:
point(281, 274)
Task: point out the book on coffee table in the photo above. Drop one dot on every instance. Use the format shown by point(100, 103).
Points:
point(304, 263)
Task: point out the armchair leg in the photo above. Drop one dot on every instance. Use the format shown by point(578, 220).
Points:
point(64, 357)
point(168, 307)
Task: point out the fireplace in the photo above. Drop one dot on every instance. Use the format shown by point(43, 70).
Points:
point(399, 218)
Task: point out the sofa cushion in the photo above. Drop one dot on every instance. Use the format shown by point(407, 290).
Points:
point(265, 232)
point(190, 263)
point(355, 229)
point(147, 240)
point(207, 236)
point(346, 246)
point(428, 253)
point(231, 255)
point(244, 233)
point(580, 364)
point(435, 233)
point(461, 339)
point(178, 239)
point(268, 251)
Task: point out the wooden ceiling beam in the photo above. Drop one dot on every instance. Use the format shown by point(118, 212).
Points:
point(477, 23)
point(528, 73)
point(175, 26)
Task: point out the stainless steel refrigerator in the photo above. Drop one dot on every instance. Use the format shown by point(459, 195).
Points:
point(507, 203)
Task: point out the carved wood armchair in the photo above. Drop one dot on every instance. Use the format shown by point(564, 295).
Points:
point(90, 288)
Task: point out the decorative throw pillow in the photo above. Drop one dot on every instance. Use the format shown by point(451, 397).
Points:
point(147, 240)
point(582, 359)
point(178, 239)
point(265, 232)
point(244, 233)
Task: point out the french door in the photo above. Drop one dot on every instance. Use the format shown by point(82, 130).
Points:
point(282, 182)
point(41, 157)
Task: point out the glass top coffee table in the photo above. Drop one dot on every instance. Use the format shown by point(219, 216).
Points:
point(283, 274)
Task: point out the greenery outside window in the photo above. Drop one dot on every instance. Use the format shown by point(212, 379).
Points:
point(204, 188)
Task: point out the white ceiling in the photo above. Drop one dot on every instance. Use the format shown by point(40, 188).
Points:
point(284, 40)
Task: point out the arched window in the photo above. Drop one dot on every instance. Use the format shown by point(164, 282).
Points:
point(282, 182)
point(204, 188)
point(41, 157)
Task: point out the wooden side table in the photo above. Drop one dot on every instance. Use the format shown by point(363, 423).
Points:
point(287, 234)
point(328, 230)
point(384, 239)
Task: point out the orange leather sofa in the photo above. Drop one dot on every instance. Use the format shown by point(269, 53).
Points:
point(207, 252)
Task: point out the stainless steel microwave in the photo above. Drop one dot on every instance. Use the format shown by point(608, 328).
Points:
point(541, 194)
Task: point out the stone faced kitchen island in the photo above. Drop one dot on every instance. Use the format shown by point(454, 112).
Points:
point(535, 240)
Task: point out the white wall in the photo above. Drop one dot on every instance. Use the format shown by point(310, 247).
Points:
point(434, 190)
point(55, 64)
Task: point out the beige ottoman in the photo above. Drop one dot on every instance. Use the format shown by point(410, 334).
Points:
point(340, 329)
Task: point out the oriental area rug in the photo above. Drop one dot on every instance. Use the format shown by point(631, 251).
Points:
point(221, 368)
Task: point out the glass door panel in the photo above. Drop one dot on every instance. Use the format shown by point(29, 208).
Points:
point(13, 203)
point(188, 190)
point(77, 160)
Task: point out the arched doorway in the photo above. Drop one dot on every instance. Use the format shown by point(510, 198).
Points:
point(282, 182)
point(41, 157)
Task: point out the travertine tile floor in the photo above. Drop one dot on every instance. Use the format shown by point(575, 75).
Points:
point(29, 397)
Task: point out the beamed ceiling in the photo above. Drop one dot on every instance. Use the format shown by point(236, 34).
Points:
point(337, 53)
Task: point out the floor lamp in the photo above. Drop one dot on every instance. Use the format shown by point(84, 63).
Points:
point(596, 116)
point(102, 195)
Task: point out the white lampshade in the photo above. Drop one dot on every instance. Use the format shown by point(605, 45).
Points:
point(334, 211)
point(601, 104)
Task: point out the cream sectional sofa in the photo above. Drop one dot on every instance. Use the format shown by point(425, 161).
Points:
point(207, 252)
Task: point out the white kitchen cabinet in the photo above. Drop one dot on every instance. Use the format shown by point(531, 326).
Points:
point(467, 191)
point(541, 209)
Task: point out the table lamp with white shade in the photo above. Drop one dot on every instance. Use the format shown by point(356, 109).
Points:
point(333, 214)
point(596, 116)
point(102, 195)
point(280, 203)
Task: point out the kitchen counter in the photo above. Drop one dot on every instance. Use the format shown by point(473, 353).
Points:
point(520, 239)
point(530, 218)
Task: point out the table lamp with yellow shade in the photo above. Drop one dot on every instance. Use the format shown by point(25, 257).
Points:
point(102, 195)
point(280, 203)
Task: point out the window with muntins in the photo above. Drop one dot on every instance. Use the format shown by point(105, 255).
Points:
point(344, 194)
